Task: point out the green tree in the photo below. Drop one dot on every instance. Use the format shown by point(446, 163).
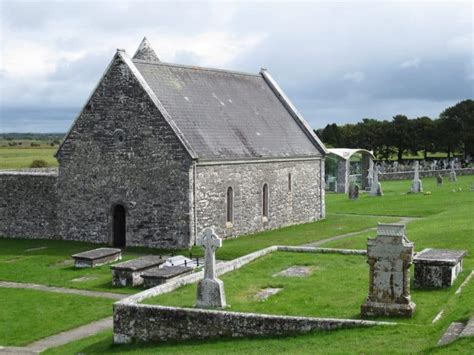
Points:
point(400, 135)
point(456, 127)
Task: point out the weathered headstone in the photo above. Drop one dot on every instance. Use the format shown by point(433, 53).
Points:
point(376, 188)
point(452, 173)
point(210, 290)
point(353, 192)
point(416, 185)
point(389, 255)
point(439, 180)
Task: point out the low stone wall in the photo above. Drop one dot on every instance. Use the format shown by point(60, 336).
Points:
point(406, 175)
point(28, 204)
point(146, 323)
point(149, 323)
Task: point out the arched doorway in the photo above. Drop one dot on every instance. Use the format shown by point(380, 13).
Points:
point(119, 226)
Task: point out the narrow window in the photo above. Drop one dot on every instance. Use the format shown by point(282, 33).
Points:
point(230, 204)
point(265, 200)
point(289, 182)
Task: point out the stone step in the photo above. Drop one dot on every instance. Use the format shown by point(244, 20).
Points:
point(452, 333)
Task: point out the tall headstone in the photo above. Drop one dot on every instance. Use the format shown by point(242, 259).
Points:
point(389, 255)
point(416, 185)
point(370, 175)
point(210, 290)
point(452, 173)
point(376, 188)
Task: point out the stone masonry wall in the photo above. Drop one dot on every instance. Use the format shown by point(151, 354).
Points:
point(301, 204)
point(28, 205)
point(404, 175)
point(144, 323)
point(122, 151)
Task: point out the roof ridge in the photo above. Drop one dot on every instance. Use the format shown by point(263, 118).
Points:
point(195, 67)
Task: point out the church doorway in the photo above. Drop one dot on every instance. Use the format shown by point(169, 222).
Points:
point(119, 226)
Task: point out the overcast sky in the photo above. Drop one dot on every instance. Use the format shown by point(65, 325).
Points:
point(337, 61)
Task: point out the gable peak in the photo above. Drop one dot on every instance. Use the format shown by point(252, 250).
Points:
point(145, 51)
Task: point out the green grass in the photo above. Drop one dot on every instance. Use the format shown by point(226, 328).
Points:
point(22, 157)
point(53, 265)
point(396, 201)
point(416, 336)
point(29, 315)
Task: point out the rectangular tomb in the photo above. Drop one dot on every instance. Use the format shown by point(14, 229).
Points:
point(96, 257)
point(155, 277)
point(437, 268)
point(129, 273)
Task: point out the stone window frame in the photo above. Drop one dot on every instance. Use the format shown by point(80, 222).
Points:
point(230, 205)
point(110, 221)
point(290, 182)
point(265, 200)
point(119, 137)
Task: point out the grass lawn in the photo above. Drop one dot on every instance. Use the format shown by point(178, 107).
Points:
point(22, 157)
point(396, 201)
point(338, 285)
point(48, 262)
point(29, 315)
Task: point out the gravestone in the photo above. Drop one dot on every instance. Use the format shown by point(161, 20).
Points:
point(129, 273)
point(439, 180)
point(416, 185)
point(452, 173)
point(370, 175)
point(210, 290)
point(376, 189)
point(353, 192)
point(159, 276)
point(389, 255)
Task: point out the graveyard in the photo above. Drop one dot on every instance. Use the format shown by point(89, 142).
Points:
point(46, 295)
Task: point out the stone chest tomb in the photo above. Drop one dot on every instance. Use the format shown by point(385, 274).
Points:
point(437, 268)
point(389, 255)
point(96, 257)
point(160, 151)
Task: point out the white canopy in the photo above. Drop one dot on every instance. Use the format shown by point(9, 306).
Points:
point(346, 153)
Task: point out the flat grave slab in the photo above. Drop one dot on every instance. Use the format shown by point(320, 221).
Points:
point(129, 273)
point(296, 271)
point(159, 276)
point(265, 293)
point(96, 257)
point(180, 260)
point(437, 268)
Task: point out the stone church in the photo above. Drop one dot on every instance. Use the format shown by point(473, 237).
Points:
point(161, 151)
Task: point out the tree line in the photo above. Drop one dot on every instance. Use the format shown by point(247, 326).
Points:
point(452, 131)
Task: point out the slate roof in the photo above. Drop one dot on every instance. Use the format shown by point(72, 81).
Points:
point(226, 115)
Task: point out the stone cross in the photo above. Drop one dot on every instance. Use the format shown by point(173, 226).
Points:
point(210, 242)
point(210, 290)
point(416, 185)
point(389, 256)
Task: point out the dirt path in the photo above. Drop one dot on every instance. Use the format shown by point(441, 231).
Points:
point(403, 220)
point(114, 296)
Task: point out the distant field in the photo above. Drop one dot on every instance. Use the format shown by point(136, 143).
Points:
point(22, 157)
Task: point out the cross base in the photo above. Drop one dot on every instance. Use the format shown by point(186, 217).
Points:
point(210, 294)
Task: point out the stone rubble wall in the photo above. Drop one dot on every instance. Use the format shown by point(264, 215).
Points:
point(146, 323)
point(301, 204)
point(122, 151)
point(28, 204)
point(406, 175)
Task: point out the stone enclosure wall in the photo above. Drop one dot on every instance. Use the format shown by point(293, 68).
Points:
point(28, 205)
point(404, 175)
point(302, 202)
point(146, 323)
